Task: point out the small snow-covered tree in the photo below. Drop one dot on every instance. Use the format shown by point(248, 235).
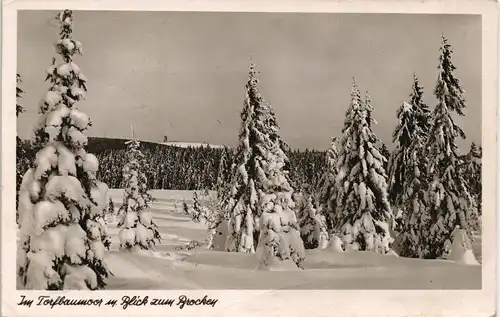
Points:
point(326, 186)
point(137, 229)
point(110, 213)
point(211, 210)
point(312, 223)
point(111, 206)
point(279, 236)
point(61, 202)
point(448, 193)
point(260, 204)
point(362, 208)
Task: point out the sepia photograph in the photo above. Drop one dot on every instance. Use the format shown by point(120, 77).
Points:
point(233, 150)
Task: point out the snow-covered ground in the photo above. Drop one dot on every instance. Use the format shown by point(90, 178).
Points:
point(203, 269)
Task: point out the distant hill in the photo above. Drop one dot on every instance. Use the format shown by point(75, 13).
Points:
point(101, 144)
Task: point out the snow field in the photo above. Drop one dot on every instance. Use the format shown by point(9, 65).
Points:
point(167, 268)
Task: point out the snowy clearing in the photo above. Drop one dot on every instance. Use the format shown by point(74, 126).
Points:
point(203, 269)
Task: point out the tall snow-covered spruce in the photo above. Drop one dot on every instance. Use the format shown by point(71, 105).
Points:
point(409, 173)
point(63, 236)
point(260, 203)
point(414, 199)
point(138, 232)
point(413, 116)
point(362, 212)
point(448, 193)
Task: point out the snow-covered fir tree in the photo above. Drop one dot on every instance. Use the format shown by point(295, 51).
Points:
point(312, 223)
point(414, 233)
point(137, 230)
point(363, 211)
point(110, 214)
point(243, 201)
point(260, 204)
point(448, 193)
point(413, 116)
point(326, 186)
point(61, 203)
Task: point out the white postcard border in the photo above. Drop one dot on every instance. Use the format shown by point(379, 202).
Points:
point(267, 302)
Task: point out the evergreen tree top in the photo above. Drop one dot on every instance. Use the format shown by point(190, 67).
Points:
point(417, 92)
point(252, 78)
point(355, 111)
point(448, 90)
point(474, 150)
point(405, 129)
point(134, 152)
point(66, 21)
point(68, 84)
point(369, 109)
point(422, 112)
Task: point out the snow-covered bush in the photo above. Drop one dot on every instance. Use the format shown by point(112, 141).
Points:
point(312, 223)
point(137, 229)
point(279, 238)
point(363, 212)
point(61, 202)
point(335, 244)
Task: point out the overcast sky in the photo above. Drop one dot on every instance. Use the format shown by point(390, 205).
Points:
point(183, 74)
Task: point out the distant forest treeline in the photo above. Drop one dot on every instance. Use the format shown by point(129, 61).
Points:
point(179, 168)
